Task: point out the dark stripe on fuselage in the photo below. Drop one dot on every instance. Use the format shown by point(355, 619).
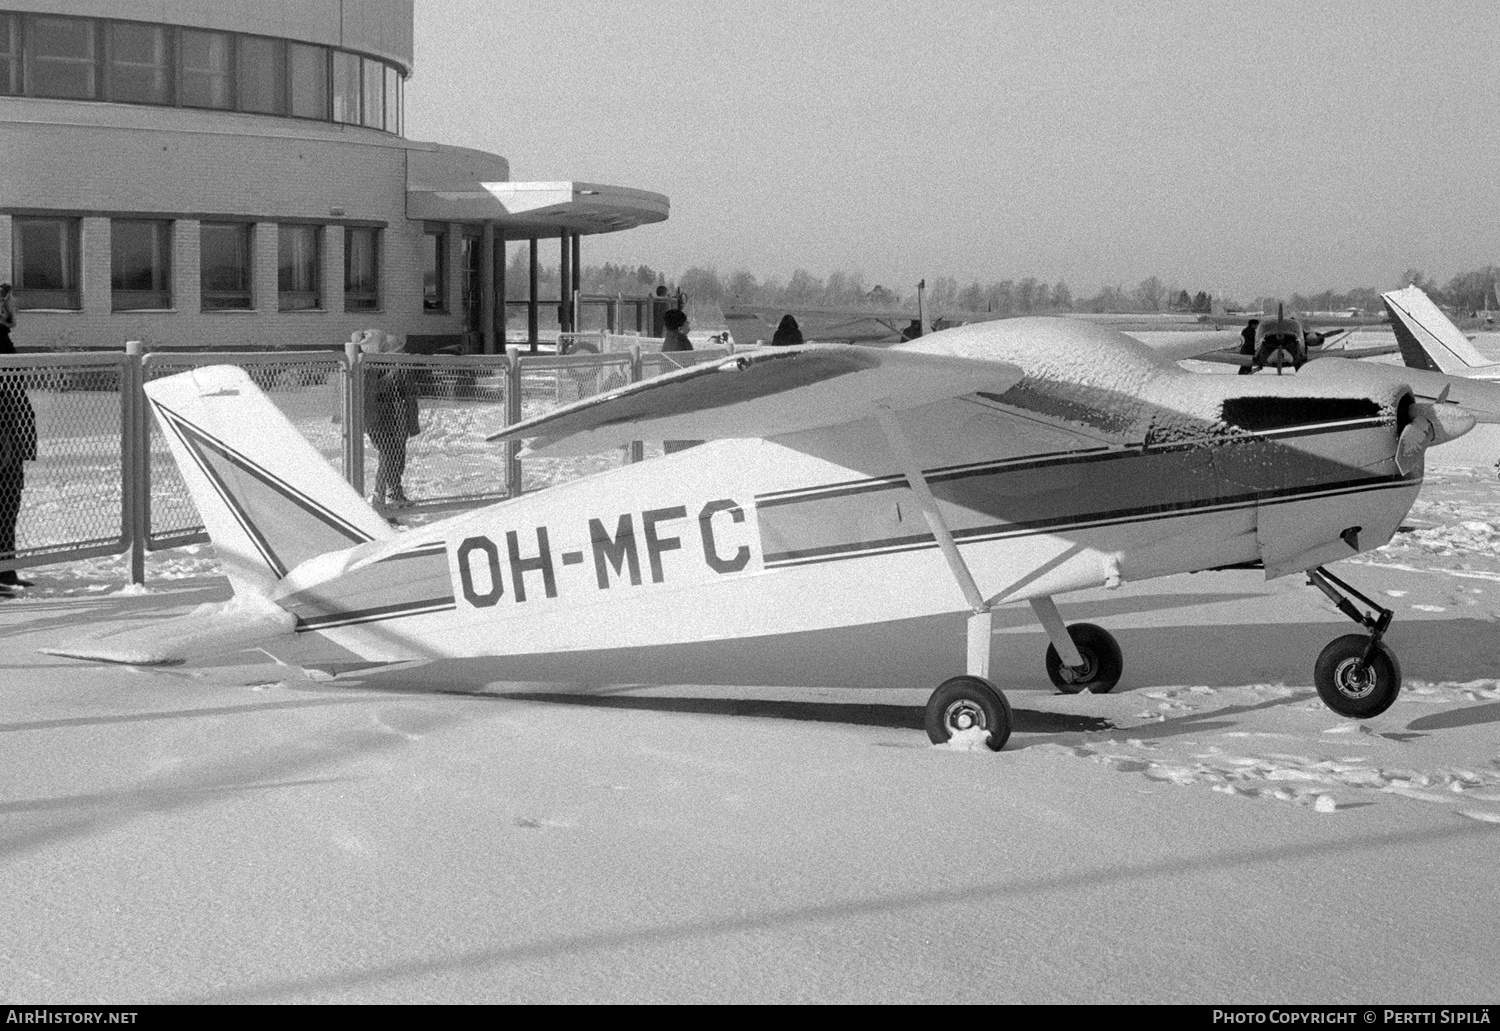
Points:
point(375, 614)
point(1047, 494)
point(923, 542)
point(425, 551)
point(773, 499)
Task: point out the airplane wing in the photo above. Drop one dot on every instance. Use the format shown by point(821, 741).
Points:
point(1219, 345)
point(763, 393)
point(1223, 346)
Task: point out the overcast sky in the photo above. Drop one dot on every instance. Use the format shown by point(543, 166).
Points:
point(1251, 147)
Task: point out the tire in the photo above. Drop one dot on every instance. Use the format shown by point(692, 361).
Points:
point(1348, 686)
point(964, 702)
point(1102, 661)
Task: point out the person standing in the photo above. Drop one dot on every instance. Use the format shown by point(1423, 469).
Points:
point(675, 338)
point(1247, 344)
point(675, 331)
point(391, 416)
point(17, 443)
point(788, 333)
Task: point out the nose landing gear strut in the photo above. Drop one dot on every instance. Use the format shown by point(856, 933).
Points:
point(1355, 675)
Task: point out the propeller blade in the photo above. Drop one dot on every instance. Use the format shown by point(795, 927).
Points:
point(1431, 424)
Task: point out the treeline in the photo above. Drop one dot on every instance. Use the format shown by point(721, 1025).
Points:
point(705, 288)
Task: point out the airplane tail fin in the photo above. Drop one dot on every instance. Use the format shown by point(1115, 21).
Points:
point(1427, 338)
point(267, 498)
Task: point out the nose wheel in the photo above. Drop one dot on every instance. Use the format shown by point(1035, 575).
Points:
point(1356, 676)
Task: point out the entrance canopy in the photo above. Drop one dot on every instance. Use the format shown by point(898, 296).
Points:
point(542, 209)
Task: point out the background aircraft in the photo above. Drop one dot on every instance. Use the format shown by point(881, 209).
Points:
point(1429, 340)
point(850, 501)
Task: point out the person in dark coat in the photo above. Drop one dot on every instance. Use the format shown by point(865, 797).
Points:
point(1247, 343)
point(17, 443)
point(391, 416)
point(675, 336)
point(788, 333)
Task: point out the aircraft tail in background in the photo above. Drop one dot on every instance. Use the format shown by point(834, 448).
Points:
point(269, 500)
point(1429, 340)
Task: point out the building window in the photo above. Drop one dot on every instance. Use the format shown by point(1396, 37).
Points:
point(392, 100)
point(140, 264)
point(262, 75)
point(139, 67)
point(374, 112)
point(309, 71)
point(361, 269)
point(10, 55)
point(44, 260)
point(346, 88)
point(207, 69)
point(435, 270)
point(133, 62)
point(224, 260)
point(301, 270)
point(62, 58)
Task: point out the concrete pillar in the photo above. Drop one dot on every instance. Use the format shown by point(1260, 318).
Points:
point(94, 265)
point(531, 303)
point(7, 274)
point(455, 287)
point(564, 277)
point(575, 284)
point(265, 264)
point(502, 312)
point(332, 286)
point(487, 287)
point(187, 280)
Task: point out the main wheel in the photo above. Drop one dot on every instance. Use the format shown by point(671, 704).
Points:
point(1102, 661)
point(964, 703)
point(1350, 686)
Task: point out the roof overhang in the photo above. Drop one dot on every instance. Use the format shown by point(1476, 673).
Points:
point(525, 210)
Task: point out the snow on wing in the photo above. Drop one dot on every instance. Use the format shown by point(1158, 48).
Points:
point(763, 393)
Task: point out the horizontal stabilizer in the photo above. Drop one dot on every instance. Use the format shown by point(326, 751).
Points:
point(1215, 345)
point(762, 393)
point(246, 621)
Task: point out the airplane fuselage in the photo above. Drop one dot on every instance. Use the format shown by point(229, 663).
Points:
point(773, 540)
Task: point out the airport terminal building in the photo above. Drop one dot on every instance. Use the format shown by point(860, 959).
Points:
point(200, 174)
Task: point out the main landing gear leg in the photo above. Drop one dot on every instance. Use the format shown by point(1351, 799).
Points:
point(969, 702)
point(1356, 676)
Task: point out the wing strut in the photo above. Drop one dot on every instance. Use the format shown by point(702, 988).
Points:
point(981, 621)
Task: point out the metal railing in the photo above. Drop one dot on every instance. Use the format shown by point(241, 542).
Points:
point(103, 483)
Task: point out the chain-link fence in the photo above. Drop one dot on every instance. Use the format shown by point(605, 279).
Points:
point(65, 461)
point(422, 424)
point(99, 478)
point(547, 383)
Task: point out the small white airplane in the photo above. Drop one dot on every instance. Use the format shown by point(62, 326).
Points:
point(880, 493)
point(1430, 341)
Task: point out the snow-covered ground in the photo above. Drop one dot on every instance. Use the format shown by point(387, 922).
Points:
point(1209, 832)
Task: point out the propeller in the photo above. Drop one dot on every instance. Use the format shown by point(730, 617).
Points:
point(1431, 424)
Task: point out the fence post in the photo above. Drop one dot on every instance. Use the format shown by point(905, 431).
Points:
point(135, 489)
point(513, 416)
point(354, 418)
point(637, 451)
